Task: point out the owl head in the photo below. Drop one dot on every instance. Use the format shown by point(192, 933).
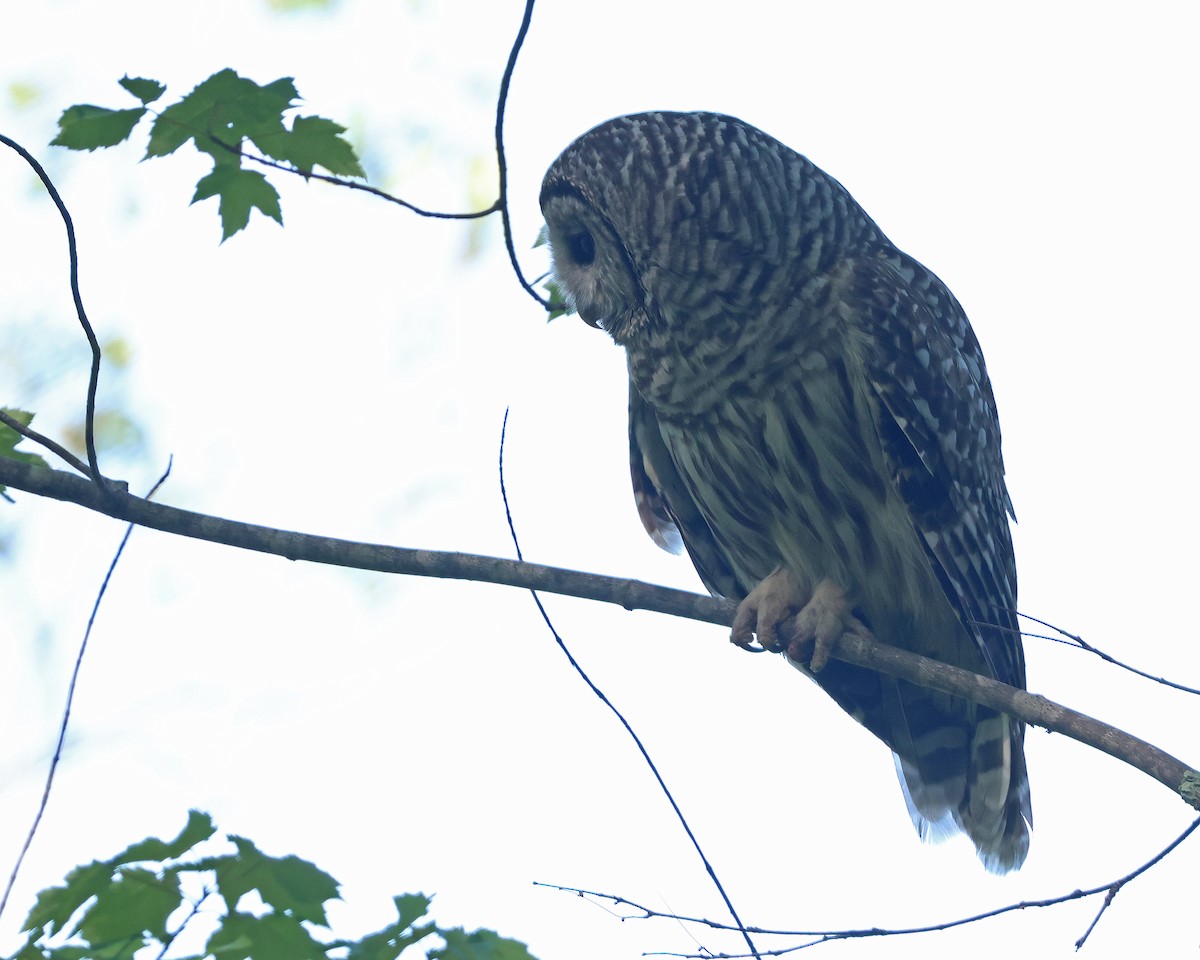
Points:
point(621, 205)
point(590, 260)
point(658, 218)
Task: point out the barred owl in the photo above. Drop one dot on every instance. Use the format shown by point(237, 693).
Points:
point(811, 418)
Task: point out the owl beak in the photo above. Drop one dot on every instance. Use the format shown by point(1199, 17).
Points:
point(589, 315)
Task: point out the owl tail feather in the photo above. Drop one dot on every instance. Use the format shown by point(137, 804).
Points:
point(993, 808)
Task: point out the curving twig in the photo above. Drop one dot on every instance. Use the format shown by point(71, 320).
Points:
point(89, 425)
point(502, 201)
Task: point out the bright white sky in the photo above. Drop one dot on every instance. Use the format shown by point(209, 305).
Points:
point(348, 375)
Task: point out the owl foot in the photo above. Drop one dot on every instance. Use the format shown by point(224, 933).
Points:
point(767, 606)
point(820, 619)
point(819, 625)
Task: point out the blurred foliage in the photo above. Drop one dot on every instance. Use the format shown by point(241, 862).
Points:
point(481, 193)
point(9, 438)
point(270, 908)
point(294, 6)
point(42, 370)
point(115, 431)
point(22, 95)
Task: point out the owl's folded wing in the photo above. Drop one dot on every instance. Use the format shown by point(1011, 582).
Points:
point(665, 507)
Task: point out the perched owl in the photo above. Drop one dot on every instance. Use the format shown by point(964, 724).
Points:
point(811, 418)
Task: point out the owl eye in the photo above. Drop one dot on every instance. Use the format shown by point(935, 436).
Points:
point(581, 245)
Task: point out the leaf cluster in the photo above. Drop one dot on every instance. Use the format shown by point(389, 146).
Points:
point(264, 908)
point(220, 117)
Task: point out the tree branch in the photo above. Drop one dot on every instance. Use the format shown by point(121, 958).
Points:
point(1034, 709)
point(630, 594)
point(1110, 889)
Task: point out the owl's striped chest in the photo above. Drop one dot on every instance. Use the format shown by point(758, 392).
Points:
point(795, 475)
point(714, 346)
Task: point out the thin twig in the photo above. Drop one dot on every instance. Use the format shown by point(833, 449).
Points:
point(1068, 639)
point(349, 184)
point(1115, 887)
point(1110, 890)
point(62, 730)
point(1078, 641)
point(505, 82)
point(179, 927)
point(56, 448)
point(512, 529)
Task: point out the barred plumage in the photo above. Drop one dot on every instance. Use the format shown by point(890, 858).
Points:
point(811, 416)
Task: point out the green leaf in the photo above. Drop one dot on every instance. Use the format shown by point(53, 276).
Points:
point(145, 90)
point(118, 950)
point(176, 125)
point(287, 884)
point(314, 141)
point(198, 829)
point(29, 951)
point(137, 902)
point(56, 905)
point(284, 88)
point(242, 936)
point(387, 944)
point(85, 127)
point(394, 939)
point(9, 438)
point(225, 108)
point(411, 907)
point(543, 237)
point(240, 191)
point(559, 305)
point(479, 945)
point(130, 909)
point(244, 99)
point(241, 109)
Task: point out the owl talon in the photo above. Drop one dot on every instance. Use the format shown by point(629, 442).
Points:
point(820, 624)
point(767, 606)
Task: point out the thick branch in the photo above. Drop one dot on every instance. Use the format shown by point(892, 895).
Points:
point(631, 594)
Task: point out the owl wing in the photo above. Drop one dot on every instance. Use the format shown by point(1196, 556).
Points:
point(936, 418)
point(665, 506)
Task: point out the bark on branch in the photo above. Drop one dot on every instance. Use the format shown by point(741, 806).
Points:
point(630, 594)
